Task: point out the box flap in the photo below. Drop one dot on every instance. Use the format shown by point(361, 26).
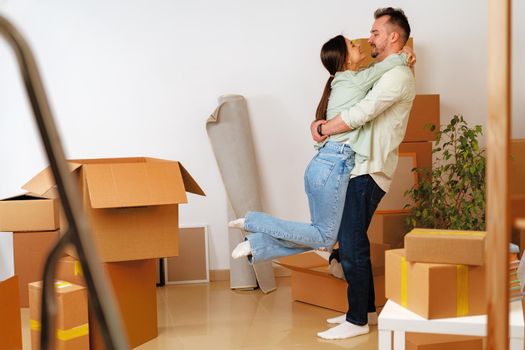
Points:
point(134, 184)
point(189, 183)
point(301, 262)
point(323, 271)
point(44, 180)
point(109, 160)
point(23, 197)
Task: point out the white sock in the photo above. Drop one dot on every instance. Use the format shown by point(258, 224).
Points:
point(372, 319)
point(242, 249)
point(343, 331)
point(239, 223)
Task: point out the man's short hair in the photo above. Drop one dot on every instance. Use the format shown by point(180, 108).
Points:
point(397, 18)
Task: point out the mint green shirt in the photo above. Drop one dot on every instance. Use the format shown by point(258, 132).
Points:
point(387, 106)
point(348, 88)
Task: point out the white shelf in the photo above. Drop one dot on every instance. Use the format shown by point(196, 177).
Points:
point(397, 319)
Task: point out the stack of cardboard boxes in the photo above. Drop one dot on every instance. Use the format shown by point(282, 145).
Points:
point(439, 274)
point(34, 221)
point(132, 206)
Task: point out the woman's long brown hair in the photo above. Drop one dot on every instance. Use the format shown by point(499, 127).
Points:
point(333, 57)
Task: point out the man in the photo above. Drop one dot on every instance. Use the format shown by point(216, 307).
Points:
point(387, 107)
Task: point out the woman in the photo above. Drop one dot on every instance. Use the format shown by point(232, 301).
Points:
point(327, 175)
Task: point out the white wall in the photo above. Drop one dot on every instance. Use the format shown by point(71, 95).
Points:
point(139, 78)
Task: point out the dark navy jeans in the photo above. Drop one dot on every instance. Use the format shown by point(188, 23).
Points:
point(362, 197)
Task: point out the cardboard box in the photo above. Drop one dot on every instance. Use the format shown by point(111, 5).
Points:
point(523, 305)
point(132, 204)
point(377, 256)
point(517, 167)
point(388, 229)
point(423, 151)
point(367, 50)
point(426, 341)
point(309, 271)
point(518, 233)
point(10, 322)
point(72, 316)
point(69, 269)
point(425, 110)
point(133, 283)
point(28, 213)
point(445, 246)
point(435, 290)
point(30, 253)
point(394, 201)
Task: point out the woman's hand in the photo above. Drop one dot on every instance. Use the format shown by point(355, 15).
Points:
point(411, 56)
point(313, 130)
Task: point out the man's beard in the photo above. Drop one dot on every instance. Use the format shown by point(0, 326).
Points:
point(374, 52)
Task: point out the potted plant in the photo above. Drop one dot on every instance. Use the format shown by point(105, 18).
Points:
point(451, 195)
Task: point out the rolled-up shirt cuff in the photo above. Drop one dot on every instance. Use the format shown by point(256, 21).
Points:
point(345, 117)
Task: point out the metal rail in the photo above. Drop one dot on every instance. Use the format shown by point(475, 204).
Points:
point(101, 298)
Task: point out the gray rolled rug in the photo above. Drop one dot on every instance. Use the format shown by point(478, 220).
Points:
point(231, 139)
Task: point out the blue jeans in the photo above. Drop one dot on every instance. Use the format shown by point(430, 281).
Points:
point(325, 181)
point(362, 197)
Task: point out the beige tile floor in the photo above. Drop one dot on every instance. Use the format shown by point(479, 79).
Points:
point(211, 316)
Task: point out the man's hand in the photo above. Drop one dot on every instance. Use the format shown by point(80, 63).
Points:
point(313, 130)
point(411, 56)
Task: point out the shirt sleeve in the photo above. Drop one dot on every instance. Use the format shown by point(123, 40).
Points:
point(366, 78)
point(388, 90)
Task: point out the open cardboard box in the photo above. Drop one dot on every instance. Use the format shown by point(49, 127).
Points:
point(28, 212)
point(132, 204)
point(310, 271)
